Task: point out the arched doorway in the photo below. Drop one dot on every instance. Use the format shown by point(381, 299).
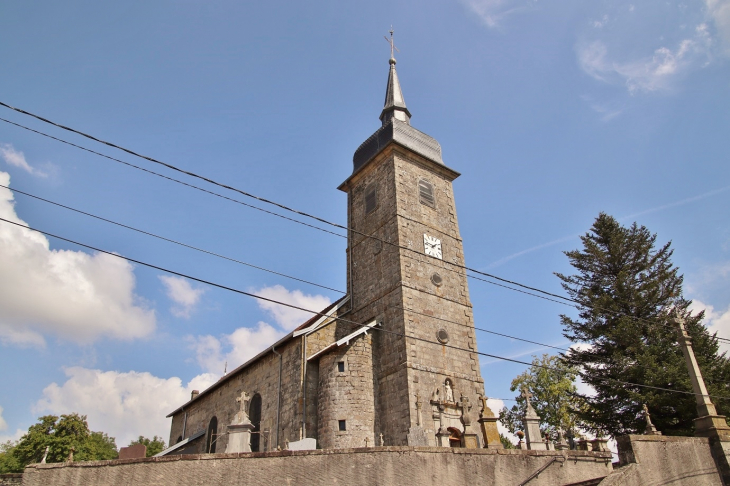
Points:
point(455, 437)
point(254, 415)
point(212, 436)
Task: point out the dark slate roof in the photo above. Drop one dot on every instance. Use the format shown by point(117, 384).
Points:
point(401, 133)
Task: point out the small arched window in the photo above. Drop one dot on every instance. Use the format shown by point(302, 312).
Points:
point(254, 415)
point(212, 436)
point(425, 193)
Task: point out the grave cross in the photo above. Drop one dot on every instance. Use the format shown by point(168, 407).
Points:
point(243, 400)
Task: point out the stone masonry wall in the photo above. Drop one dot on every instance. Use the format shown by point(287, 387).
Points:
point(261, 377)
point(11, 479)
point(431, 306)
point(381, 466)
point(658, 459)
point(347, 395)
point(395, 285)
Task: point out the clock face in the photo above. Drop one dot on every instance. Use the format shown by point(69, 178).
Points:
point(432, 246)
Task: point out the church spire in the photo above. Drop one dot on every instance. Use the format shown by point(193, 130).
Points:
point(395, 105)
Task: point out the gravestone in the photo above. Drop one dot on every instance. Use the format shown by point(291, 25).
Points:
point(533, 436)
point(239, 431)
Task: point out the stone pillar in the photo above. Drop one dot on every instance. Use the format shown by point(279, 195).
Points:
point(709, 423)
point(533, 436)
point(239, 438)
point(488, 425)
point(442, 438)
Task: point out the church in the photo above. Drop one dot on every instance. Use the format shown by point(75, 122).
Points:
point(393, 362)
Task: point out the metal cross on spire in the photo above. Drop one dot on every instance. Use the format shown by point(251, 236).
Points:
point(390, 41)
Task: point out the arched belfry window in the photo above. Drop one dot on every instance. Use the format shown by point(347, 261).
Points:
point(254, 415)
point(212, 436)
point(425, 193)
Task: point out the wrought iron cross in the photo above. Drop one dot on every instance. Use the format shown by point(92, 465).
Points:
point(390, 41)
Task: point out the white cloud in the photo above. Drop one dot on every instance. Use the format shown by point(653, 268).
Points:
point(493, 12)
point(182, 293)
point(287, 317)
point(600, 23)
point(716, 321)
point(71, 294)
point(212, 353)
point(17, 158)
point(4, 426)
point(123, 405)
point(719, 12)
point(234, 349)
point(655, 73)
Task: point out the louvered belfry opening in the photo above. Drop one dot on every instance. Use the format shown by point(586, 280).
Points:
point(425, 193)
point(371, 200)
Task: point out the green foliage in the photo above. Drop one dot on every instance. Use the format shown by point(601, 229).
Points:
point(550, 380)
point(154, 445)
point(506, 443)
point(8, 462)
point(629, 290)
point(60, 435)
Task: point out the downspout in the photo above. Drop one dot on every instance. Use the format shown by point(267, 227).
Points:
point(185, 421)
point(278, 398)
point(304, 387)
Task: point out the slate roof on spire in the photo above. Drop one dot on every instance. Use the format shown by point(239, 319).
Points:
point(396, 128)
point(395, 105)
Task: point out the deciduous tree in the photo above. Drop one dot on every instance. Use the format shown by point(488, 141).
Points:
point(552, 384)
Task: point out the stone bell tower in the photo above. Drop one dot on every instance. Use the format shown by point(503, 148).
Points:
point(404, 270)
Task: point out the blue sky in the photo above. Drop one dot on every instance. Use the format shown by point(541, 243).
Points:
point(552, 111)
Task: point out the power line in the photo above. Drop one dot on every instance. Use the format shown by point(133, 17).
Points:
point(171, 240)
point(340, 319)
point(264, 200)
point(483, 330)
point(302, 213)
point(193, 186)
point(18, 191)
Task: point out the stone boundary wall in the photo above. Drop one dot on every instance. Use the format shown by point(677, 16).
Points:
point(11, 479)
point(362, 466)
point(659, 459)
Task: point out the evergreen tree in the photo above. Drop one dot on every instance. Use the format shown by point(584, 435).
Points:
point(629, 292)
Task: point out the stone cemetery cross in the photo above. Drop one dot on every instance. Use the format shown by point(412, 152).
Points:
point(243, 400)
point(527, 395)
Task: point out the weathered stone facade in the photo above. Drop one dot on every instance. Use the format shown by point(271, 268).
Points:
point(413, 378)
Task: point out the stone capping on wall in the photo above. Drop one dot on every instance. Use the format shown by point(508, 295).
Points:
point(626, 451)
point(569, 455)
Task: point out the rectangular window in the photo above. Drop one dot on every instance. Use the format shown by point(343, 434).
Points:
point(425, 193)
point(343, 425)
point(341, 366)
point(371, 201)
